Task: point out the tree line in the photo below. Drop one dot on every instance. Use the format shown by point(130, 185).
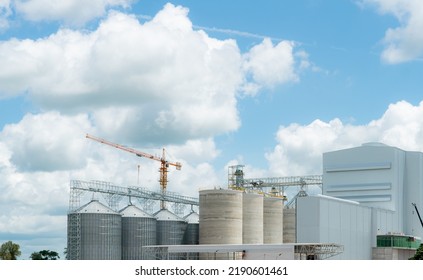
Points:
point(11, 251)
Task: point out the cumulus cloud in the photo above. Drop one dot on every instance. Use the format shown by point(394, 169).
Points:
point(176, 81)
point(299, 148)
point(403, 43)
point(157, 82)
point(271, 65)
point(74, 12)
point(46, 142)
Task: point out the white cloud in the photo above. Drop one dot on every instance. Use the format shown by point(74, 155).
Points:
point(74, 12)
point(196, 151)
point(271, 65)
point(156, 82)
point(46, 142)
point(161, 79)
point(299, 148)
point(403, 43)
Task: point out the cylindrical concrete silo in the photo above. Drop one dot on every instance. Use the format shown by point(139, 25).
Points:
point(138, 230)
point(272, 220)
point(99, 232)
point(170, 228)
point(220, 217)
point(289, 225)
point(252, 218)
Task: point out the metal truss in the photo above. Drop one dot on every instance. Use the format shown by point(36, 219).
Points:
point(114, 193)
point(282, 181)
point(318, 251)
point(273, 186)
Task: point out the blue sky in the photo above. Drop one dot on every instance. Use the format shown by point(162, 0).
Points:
point(268, 84)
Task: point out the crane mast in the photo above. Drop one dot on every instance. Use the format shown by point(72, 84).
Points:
point(164, 164)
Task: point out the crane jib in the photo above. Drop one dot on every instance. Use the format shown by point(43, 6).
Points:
point(165, 164)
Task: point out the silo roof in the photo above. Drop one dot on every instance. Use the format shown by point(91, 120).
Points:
point(134, 211)
point(192, 218)
point(166, 215)
point(94, 206)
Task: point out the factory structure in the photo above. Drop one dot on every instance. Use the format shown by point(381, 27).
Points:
point(370, 201)
point(364, 206)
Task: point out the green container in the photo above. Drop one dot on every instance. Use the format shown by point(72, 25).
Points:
point(398, 241)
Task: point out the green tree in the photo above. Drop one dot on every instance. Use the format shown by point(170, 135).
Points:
point(9, 251)
point(419, 254)
point(45, 255)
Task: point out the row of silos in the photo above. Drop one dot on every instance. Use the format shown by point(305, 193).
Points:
point(235, 217)
point(104, 234)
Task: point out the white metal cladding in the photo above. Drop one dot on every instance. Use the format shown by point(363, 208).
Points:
point(379, 176)
point(252, 218)
point(413, 194)
point(322, 219)
point(370, 174)
point(272, 220)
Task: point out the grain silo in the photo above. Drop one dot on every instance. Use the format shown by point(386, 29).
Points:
point(99, 236)
point(191, 235)
point(170, 228)
point(220, 217)
point(289, 225)
point(272, 220)
point(138, 230)
point(252, 218)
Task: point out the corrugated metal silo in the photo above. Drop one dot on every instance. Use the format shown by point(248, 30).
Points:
point(252, 218)
point(191, 235)
point(170, 228)
point(220, 217)
point(100, 232)
point(138, 230)
point(272, 220)
point(289, 225)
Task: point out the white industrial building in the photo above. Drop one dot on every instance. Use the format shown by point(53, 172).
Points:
point(368, 192)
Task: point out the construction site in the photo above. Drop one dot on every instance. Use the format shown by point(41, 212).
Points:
point(364, 206)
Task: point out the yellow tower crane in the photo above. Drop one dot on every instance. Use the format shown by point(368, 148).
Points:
point(164, 164)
